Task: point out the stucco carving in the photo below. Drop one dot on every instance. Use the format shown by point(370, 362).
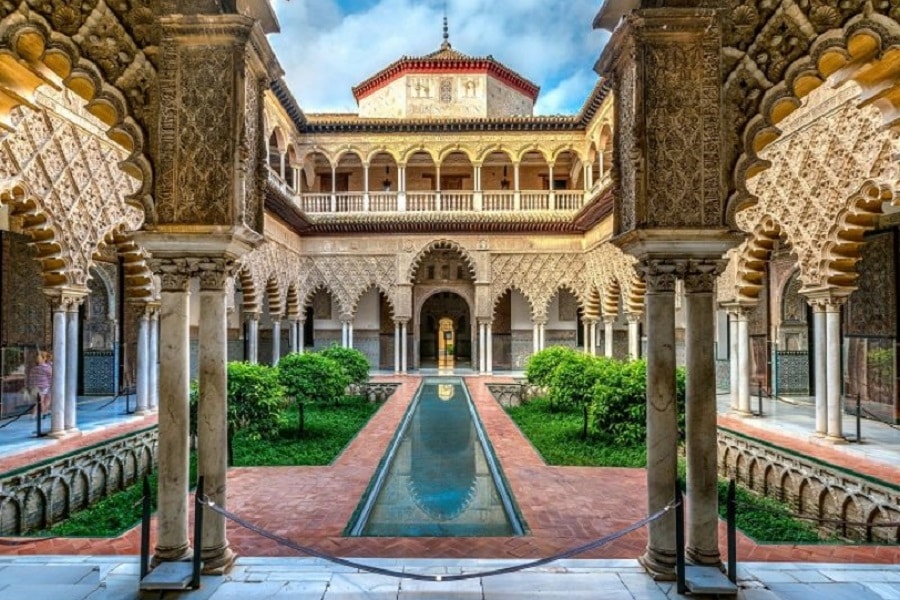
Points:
point(63, 177)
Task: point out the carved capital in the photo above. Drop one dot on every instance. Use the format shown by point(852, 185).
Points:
point(660, 275)
point(633, 317)
point(701, 275)
point(251, 315)
point(213, 273)
point(66, 299)
point(174, 273)
point(610, 319)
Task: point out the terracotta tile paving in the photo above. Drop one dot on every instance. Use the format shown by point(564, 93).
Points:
point(562, 506)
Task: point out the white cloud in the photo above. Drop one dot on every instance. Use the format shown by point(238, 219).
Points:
point(326, 47)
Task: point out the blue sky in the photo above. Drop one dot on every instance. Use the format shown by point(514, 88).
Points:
point(328, 46)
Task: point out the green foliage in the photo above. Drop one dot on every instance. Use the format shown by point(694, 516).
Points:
point(255, 397)
point(312, 378)
point(766, 520)
point(539, 367)
point(327, 431)
point(557, 436)
point(573, 379)
point(352, 361)
point(619, 401)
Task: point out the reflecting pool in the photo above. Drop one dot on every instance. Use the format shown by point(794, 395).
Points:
point(439, 476)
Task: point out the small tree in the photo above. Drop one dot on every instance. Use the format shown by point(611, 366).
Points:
point(312, 377)
point(352, 361)
point(540, 366)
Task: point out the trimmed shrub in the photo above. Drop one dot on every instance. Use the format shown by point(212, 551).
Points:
point(255, 398)
point(539, 367)
point(573, 379)
point(352, 361)
point(619, 406)
point(312, 377)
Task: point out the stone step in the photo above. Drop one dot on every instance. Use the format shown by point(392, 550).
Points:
point(707, 580)
point(169, 576)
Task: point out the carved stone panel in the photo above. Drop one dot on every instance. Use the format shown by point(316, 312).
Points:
point(871, 309)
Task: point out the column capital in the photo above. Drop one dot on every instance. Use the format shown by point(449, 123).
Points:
point(828, 300)
point(174, 273)
point(213, 273)
point(66, 299)
point(700, 275)
point(610, 319)
point(633, 317)
point(660, 275)
point(251, 315)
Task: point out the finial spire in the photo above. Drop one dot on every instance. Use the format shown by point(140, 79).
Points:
point(445, 45)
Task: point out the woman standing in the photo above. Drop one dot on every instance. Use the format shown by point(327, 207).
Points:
point(40, 377)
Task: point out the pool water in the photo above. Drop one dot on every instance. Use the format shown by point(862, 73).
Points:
point(439, 476)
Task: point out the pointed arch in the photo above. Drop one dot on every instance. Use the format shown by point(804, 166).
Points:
point(441, 244)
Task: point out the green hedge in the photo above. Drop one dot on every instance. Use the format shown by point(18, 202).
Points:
point(352, 361)
point(313, 378)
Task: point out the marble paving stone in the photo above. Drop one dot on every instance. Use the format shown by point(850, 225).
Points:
point(48, 592)
point(867, 576)
point(57, 575)
point(831, 591)
point(350, 585)
point(887, 591)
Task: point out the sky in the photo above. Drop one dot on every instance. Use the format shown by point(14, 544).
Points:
point(328, 46)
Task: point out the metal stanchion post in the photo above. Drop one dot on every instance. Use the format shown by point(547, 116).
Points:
point(145, 529)
point(680, 582)
point(759, 399)
point(198, 533)
point(858, 419)
point(731, 515)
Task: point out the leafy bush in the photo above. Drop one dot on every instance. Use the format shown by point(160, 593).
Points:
point(255, 397)
point(352, 361)
point(312, 377)
point(540, 366)
point(573, 379)
point(619, 406)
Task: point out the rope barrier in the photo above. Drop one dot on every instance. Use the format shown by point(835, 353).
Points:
point(878, 419)
point(15, 418)
point(205, 501)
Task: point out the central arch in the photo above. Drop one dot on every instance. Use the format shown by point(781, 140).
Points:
point(445, 331)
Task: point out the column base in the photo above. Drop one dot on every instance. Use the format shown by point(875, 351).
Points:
point(742, 413)
point(217, 561)
point(818, 434)
point(660, 566)
point(73, 432)
point(837, 440)
point(58, 434)
point(161, 555)
point(705, 559)
point(143, 413)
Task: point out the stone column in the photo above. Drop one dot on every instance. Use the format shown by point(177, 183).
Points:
point(72, 331)
point(397, 344)
point(153, 382)
point(489, 358)
point(733, 358)
point(174, 325)
point(608, 333)
point(252, 336)
point(834, 430)
point(143, 363)
point(366, 200)
point(293, 334)
point(542, 329)
point(404, 353)
point(58, 386)
point(701, 447)
point(662, 418)
point(212, 411)
point(586, 333)
point(301, 334)
point(276, 340)
point(482, 355)
point(819, 357)
point(536, 337)
point(743, 354)
point(634, 336)
point(350, 334)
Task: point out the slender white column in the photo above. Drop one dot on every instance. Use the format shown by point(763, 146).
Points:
point(153, 383)
point(733, 357)
point(517, 191)
point(819, 358)
point(282, 165)
point(72, 330)
point(833, 366)
point(333, 188)
point(489, 358)
point(276, 340)
point(700, 447)
point(143, 363)
point(541, 335)
point(608, 322)
point(293, 334)
point(743, 331)
point(343, 334)
point(58, 387)
point(634, 336)
point(397, 329)
point(403, 347)
point(212, 413)
point(536, 337)
point(585, 332)
point(253, 335)
point(349, 334)
point(365, 188)
point(662, 421)
point(174, 328)
point(482, 355)
point(301, 335)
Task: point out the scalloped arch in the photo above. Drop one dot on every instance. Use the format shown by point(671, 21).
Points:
point(354, 303)
point(440, 244)
point(511, 288)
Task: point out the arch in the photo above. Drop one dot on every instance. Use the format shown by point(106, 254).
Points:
point(511, 288)
point(386, 293)
point(753, 255)
point(441, 244)
point(292, 302)
point(860, 46)
point(249, 290)
point(447, 151)
point(486, 152)
point(276, 304)
point(10, 516)
point(58, 504)
point(390, 154)
point(34, 515)
point(277, 141)
point(408, 153)
point(534, 149)
point(561, 286)
point(33, 54)
point(44, 233)
point(349, 150)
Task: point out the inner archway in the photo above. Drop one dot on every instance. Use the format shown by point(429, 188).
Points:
point(445, 332)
